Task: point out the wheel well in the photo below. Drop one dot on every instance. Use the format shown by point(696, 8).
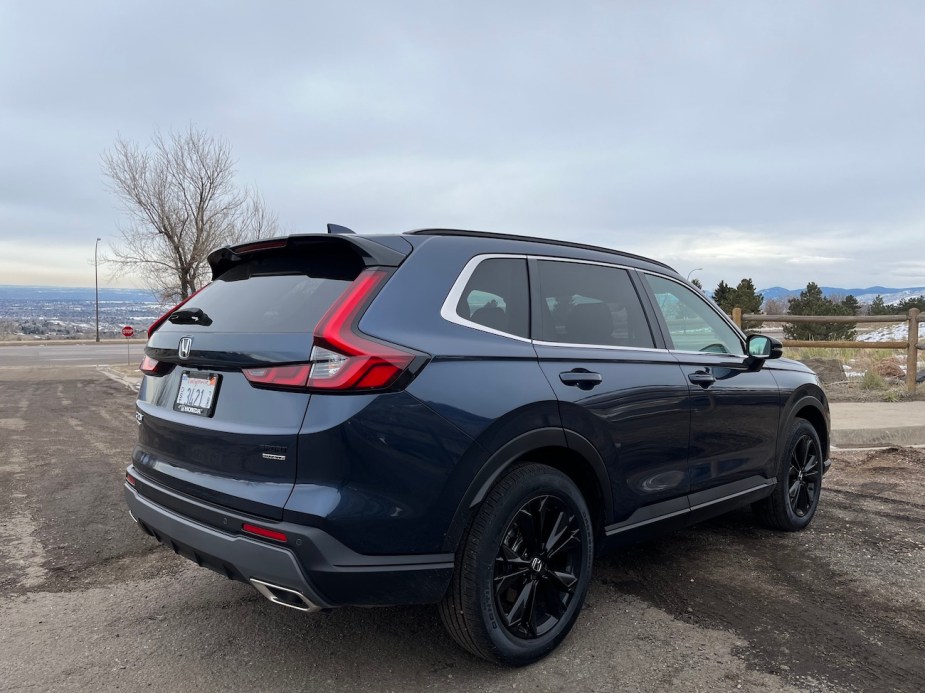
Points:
point(580, 471)
point(815, 418)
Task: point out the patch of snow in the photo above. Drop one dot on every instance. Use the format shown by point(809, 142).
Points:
point(898, 332)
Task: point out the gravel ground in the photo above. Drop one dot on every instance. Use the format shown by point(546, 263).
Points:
point(87, 602)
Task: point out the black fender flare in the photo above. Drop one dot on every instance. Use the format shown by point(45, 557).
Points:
point(798, 405)
point(501, 460)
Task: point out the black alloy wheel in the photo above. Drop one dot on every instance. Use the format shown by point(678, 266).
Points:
point(805, 475)
point(792, 503)
point(522, 568)
point(537, 567)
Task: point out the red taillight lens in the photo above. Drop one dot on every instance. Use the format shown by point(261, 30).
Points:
point(342, 358)
point(280, 376)
point(263, 532)
point(130, 479)
point(151, 366)
point(161, 320)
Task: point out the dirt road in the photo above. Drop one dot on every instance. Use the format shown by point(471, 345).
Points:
point(89, 603)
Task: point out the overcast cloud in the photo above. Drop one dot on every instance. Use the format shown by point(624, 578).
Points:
point(784, 141)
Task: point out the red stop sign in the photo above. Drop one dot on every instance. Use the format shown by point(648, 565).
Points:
point(128, 331)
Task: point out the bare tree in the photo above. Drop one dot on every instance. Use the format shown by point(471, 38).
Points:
point(182, 203)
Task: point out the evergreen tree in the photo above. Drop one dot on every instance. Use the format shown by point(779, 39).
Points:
point(749, 300)
point(878, 307)
point(724, 296)
point(907, 303)
point(813, 302)
point(743, 296)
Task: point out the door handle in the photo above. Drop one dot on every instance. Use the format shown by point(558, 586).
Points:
point(702, 378)
point(581, 378)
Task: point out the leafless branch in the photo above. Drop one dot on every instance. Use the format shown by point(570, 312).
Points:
point(181, 202)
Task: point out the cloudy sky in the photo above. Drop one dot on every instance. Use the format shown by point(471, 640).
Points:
point(783, 141)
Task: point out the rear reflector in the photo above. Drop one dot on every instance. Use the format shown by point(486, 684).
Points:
point(263, 532)
point(130, 479)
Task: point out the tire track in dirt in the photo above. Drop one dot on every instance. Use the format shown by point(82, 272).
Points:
point(804, 602)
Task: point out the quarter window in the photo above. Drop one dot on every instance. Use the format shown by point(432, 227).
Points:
point(692, 324)
point(497, 296)
point(590, 304)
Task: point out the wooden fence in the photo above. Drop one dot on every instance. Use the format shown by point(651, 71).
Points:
point(911, 345)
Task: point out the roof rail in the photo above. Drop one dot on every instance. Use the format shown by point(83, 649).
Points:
point(533, 239)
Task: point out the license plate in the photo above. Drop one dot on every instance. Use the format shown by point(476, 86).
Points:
point(198, 392)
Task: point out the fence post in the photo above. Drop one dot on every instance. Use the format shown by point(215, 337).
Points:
point(737, 316)
point(912, 356)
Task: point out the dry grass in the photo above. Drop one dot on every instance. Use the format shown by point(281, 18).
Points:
point(865, 382)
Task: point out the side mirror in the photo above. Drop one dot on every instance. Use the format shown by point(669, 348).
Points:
point(761, 347)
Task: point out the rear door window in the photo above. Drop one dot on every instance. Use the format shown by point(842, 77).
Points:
point(497, 296)
point(590, 305)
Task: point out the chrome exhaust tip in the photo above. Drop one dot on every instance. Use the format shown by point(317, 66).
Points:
point(284, 596)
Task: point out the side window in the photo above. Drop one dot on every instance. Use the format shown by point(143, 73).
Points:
point(590, 304)
point(497, 296)
point(692, 323)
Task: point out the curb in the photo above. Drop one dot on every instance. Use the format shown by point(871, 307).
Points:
point(133, 384)
point(897, 436)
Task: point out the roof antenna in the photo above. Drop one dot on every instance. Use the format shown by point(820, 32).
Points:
point(337, 228)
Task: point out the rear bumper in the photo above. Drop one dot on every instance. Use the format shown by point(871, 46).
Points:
point(311, 563)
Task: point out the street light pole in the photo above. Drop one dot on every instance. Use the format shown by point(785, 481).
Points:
point(697, 269)
point(96, 278)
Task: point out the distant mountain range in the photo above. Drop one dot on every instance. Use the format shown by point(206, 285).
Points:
point(866, 295)
point(71, 293)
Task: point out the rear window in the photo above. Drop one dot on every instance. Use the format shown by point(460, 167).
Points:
point(270, 293)
point(497, 296)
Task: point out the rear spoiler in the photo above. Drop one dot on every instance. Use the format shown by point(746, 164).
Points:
point(379, 251)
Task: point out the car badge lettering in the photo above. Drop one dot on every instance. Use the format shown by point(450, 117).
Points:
point(186, 343)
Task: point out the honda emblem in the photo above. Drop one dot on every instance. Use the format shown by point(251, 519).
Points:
point(186, 343)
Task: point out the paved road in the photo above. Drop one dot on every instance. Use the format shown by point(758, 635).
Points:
point(72, 354)
point(88, 603)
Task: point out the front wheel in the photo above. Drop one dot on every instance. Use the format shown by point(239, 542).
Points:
point(522, 569)
point(793, 503)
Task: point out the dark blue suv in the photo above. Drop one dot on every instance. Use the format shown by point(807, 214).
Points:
point(457, 418)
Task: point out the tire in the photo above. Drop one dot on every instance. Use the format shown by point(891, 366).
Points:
point(502, 570)
point(792, 505)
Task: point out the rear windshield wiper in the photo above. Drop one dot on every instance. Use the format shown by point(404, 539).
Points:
point(190, 316)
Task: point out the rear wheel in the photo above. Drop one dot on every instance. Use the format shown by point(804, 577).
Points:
point(522, 569)
point(793, 503)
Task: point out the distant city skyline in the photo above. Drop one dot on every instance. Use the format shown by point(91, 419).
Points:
point(777, 141)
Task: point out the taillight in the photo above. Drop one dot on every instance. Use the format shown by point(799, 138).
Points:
point(280, 376)
point(342, 358)
point(151, 366)
point(161, 320)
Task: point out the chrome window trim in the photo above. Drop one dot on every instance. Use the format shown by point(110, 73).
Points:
point(712, 306)
point(597, 346)
point(448, 309)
